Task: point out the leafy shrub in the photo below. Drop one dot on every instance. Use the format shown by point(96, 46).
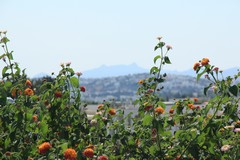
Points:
point(49, 122)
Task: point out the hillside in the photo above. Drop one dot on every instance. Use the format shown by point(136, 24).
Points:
point(123, 88)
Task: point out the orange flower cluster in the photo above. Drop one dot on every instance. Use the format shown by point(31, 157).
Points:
point(159, 110)
point(88, 152)
point(195, 99)
point(58, 94)
point(35, 118)
point(70, 154)
point(44, 147)
point(204, 62)
point(171, 111)
point(28, 92)
point(140, 81)
point(100, 106)
point(28, 83)
point(191, 106)
point(102, 158)
point(112, 112)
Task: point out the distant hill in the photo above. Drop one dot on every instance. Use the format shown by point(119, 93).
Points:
point(115, 70)
point(124, 88)
point(121, 70)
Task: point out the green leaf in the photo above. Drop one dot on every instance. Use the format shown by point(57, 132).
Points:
point(10, 56)
point(167, 60)
point(64, 146)
point(206, 89)
point(4, 40)
point(7, 142)
point(4, 70)
point(234, 90)
point(156, 58)
point(154, 70)
point(8, 84)
point(74, 82)
point(152, 150)
point(159, 45)
point(147, 120)
point(43, 128)
point(2, 56)
point(200, 74)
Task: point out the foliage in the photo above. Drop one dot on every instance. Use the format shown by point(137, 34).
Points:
point(49, 122)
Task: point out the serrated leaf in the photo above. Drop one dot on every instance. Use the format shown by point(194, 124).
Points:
point(4, 40)
point(156, 58)
point(206, 89)
point(4, 70)
point(152, 150)
point(64, 146)
point(200, 74)
point(154, 70)
point(74, 82)
point(7, 142)
point(167, 60)
point(43, 128)
point(159, 45)
point(147, 120)
point(234, 90)
point(2, 56)
point(8, 84)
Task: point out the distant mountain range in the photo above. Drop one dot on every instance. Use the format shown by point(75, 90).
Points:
point(121, 70)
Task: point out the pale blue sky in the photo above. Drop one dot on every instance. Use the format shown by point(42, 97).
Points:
point(91, 33)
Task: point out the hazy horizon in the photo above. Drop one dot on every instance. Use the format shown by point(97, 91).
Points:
point(44, 34)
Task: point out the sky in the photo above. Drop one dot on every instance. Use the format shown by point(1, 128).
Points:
point(92, 33)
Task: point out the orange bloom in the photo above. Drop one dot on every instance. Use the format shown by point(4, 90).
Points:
point(44, 147)
point(28, 83)
point(28, 92)
point(88, 153)
point(171, 111)
point(70, 154)
point(102, 158)
point(100, 106)
point(58, 94)
point(196, 65)
point(140, 81)
point(191, 106)
point(13, 92)
point(35, 118)
point(159, 110)
point(195, 99)
point(112, 111)
point(205, 61)
point(91, 146)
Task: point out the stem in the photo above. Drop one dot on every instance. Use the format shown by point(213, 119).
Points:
point(10, 63)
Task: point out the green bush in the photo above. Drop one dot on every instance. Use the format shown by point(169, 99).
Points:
point(49, 122)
